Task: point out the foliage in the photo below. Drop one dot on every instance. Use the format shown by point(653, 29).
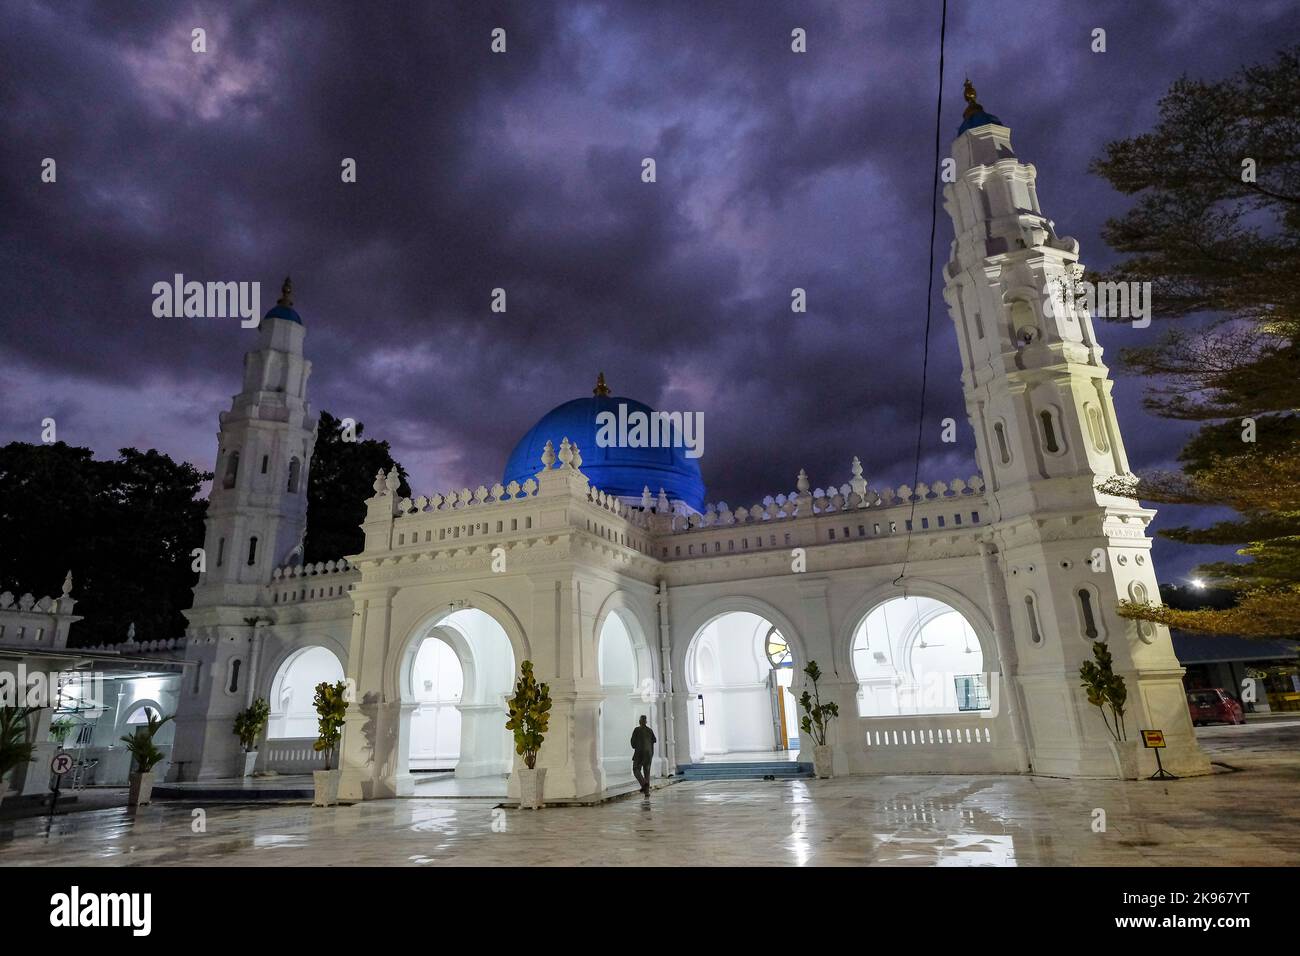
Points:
point(124, 527)
point(15, 749)
point(1106, 689)
point(250, 722)
point(817, 716)
point(530, 714)
point(141, 745)
point(331, 708)
point(338, 485)
point(1214, 241)
point(59, 729)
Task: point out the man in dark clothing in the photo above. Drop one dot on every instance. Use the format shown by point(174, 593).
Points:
point(643, 752)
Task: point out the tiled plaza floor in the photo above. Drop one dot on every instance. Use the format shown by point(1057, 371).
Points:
point(1245, 818)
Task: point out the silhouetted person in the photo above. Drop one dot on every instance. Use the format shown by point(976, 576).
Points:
point(643, 753)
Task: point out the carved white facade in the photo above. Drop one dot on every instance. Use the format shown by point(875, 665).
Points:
point(1033, 558)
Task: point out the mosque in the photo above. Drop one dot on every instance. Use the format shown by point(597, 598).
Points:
point(608, 568)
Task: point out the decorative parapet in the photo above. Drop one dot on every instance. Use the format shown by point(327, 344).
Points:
point(306, 582)
point(851, 496)
point(139, 647)
point(28, 621)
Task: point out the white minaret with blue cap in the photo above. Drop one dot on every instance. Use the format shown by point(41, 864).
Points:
point(1060, 554)
point(257, 511)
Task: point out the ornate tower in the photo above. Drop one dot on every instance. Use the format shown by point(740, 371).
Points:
point(257, 516)
point(257, 511)
point(1039, 399)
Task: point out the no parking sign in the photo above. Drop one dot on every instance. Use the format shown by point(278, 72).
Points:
point(61, 762)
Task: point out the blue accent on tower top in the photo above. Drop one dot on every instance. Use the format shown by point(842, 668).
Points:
point(978, 119)
point(283, 312)
point(283, 308)
point(615, 470)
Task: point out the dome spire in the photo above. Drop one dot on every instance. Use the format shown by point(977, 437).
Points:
point(974, 115)
point(286, 294)
point(601, 390)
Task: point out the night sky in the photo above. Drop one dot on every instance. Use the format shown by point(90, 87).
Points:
point(522, 171)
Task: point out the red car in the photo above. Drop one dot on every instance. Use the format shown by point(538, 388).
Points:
point(1214, 706)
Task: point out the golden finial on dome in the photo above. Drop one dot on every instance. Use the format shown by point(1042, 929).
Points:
point(286, 294)
point(601, 389)
point(972, 107)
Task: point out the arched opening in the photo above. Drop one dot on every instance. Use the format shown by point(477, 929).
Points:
point(293, 714)
point(454, 680)
point(916, 655)
point(740, 668)
point(628, 694)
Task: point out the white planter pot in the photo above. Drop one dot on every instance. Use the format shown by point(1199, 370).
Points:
point(141, 788)
point(531, 785)
point(327, 787)
point(1125, 753)
point(824, 761)
point(247, 764)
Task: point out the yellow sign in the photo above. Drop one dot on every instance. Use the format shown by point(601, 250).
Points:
point(1153, 738)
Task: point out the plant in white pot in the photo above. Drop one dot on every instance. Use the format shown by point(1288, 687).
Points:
point(15, 748)
point(530, 713)
point(816, 719)
point(331, 707)
point(249, 724)
point(1108, 693)
point(145, 756)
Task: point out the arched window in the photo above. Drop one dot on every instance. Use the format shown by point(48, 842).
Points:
point(234, 675)
point(1096, 428)
point(1035, 635)
point(1003, 452)
point(1085, 607)
point(777, 650)
point(221, 551)
point(252, 551)
point(1049, 432)
point(295, 467)
point(232, 470)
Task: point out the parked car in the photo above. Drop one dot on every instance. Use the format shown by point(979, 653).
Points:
point(1214, 705)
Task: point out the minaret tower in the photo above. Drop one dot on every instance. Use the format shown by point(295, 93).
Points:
point(257, 511)
point(257, 516)
point(1060, 553)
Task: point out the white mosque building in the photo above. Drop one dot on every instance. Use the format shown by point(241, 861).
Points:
point(606, 568)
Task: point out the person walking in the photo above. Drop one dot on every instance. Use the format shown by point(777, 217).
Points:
point(643, 752)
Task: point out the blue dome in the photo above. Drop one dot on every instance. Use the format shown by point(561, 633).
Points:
point(283, 312)
point(979, 118)
point(614, 470)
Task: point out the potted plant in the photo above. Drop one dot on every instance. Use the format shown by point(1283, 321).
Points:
point(530, 713)
point(1108, 693)
point(249, 724)
point(15, 748)
point(60, 727)
point(331, 709)
point(146, 756)
point(816, 719)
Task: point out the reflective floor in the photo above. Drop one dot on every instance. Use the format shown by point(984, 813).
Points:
point(1249, 817)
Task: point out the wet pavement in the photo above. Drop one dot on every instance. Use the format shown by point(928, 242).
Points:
point(1249, 817)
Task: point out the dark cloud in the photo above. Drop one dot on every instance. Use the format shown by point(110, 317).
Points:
point(522, 171)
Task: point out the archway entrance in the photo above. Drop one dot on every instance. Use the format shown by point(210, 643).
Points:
point(623, 663)
point(293, 714)
point(740, 669)
point(454, 679)
point(916, 655)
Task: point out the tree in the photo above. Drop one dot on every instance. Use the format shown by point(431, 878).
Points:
point(124, 527)
point(340, 482)
point(1216, 230)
